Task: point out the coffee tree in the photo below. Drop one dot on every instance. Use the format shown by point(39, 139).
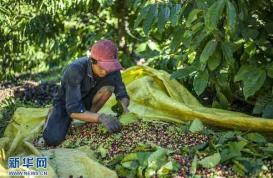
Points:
point(223, 45)
point(50, 33)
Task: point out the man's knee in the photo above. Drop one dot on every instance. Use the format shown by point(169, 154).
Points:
point(104, 92)
point(53, 139)
point(106, 89)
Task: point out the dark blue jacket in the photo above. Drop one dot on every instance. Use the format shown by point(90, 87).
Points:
point(78, 80)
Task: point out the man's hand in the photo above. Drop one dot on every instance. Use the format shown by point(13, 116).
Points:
point(125, 103)
point(110, 122)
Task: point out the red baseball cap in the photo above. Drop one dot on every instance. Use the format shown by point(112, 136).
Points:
point(105, 53)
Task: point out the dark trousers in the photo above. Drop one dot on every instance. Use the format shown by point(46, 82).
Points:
point(59, 121)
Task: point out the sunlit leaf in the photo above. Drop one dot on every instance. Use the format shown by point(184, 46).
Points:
point(228, 53)
point(164, 14)
point(148, 21)
point(222, 99)
point(253, 78)
point(213, 15)
point(175, 14)
point(196, 126)
point(200, 82)
point(214, 61)
point(198, 38)
point(261, 102)
point(128, 118)
point(255, 137)
point(168, 168)
point(177, 39)
point(269, 70)
point(183, 73)
point(210, 161)
point(207, 52)
point(268, 110)
point(155, 161)
point(142, 15)
point(193, 165)
point(192, 16)
point(103, 152)
point(231, 16)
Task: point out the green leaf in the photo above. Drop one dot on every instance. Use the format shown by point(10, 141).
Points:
point(198, 38)
point(250, 48)
point(268, 149)
point(249, 33)
point(177, 39)
point(200, 82)
point(214, 14)
point(175, 14)
point(233, 151)
point(183, 73)
point(238, 168)
point(226, 137)
point(228, 53)
point(214, 61)
point(148, 21)
point(222, 99)
point(123, 172)
point(223, 80)
point(251, 165)
point(269, 70)
point(244, 72)
point(210, 161)
point(207, 52)
point(255, 137)
point(139, 156)
point(103, 152)
point(237, 146)
point(168, 168)
point(231, 16)
point(142, 15)
point(132, 165)
point(261, 102)
point(268, 110)
point(192, 17)
point(193, 166)
point(128, 118)
point(196, 27)
point(253, 79)
point(155, 161)
point(201, 4)
point(187, 37)
point(196, 126)
point(164, 14)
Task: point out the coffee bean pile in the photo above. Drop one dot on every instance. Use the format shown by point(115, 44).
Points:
point(6, 85)
point(39, 94)
point(7, 90)
point(221, 170)
point(166, 135)
point(162, 134)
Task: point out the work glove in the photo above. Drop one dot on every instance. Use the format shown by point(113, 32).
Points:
point(110, 122)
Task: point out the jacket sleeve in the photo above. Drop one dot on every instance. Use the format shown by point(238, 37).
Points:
point(120, 89)
point(73, 97)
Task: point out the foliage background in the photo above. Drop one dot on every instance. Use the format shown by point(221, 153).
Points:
point(220, 49)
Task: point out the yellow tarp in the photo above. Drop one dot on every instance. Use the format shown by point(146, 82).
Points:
point(17, 141)
point(153, 96)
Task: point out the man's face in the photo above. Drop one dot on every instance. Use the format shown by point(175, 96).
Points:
point(98, 70)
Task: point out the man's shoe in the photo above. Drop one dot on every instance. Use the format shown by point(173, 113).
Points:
point(40, 142)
